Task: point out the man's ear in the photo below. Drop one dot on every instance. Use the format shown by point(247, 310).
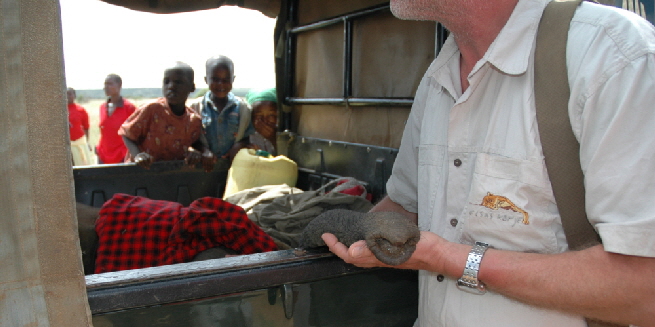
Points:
point(233, 78)
point(206, 80)
point(193, 87)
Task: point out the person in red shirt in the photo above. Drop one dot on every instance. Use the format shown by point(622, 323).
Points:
point(166, 129)
point(78, 124)
point(113, 113)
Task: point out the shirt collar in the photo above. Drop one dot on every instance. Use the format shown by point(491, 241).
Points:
point(511, 50)
point(231, 100)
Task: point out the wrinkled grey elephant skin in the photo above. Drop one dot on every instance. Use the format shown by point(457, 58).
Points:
point(389, 235)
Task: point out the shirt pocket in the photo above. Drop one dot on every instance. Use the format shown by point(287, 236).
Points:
point(429, 181)
point(511, 206)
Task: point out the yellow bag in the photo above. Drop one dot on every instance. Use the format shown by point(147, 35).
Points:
point(250, 170)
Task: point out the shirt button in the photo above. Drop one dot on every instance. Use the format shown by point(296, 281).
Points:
point(440, 278)
point(457, 162)
point(453, 222)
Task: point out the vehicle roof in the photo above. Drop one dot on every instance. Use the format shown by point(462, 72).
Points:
point(269, 8)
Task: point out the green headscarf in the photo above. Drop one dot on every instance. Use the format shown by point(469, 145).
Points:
point(261, 95)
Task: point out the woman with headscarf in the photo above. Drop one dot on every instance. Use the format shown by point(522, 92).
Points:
point(264, 119)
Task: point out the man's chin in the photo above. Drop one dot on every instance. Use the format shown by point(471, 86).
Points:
point(398, 9)
point(406, 10)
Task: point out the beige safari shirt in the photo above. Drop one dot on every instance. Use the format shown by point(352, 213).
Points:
point(471, 164)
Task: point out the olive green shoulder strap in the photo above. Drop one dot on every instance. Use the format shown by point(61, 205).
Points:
point(560, 147)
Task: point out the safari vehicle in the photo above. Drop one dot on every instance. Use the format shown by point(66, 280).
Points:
point(346, 74)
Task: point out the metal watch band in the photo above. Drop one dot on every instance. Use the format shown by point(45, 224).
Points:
point(469, 281)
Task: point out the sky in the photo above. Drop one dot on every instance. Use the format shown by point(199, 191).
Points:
point(100, 39)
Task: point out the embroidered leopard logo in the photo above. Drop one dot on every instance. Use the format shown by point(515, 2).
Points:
point(496, 202)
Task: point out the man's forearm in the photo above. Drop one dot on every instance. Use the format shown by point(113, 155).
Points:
point(591, 282)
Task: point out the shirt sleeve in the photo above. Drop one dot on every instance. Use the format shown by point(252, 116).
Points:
point(402, 186)
point(137, 125)
point(618, 157)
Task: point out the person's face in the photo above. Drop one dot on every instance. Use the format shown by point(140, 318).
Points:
point(70, 95)
point(176, 86)
point(112, 88)
point(220, 82)
point(264, 118)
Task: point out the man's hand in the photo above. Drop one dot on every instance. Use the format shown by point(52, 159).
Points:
point(569, 290)
point(144, 160)
point(358, 254)
point(429, 254)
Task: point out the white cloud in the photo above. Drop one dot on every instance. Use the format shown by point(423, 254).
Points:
point(100, 39)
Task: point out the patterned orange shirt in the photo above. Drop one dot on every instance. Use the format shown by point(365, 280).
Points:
point(160, 133)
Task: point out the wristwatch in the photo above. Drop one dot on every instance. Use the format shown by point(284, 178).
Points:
point(469, 281)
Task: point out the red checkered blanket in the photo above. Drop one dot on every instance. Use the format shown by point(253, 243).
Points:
point(137, 232)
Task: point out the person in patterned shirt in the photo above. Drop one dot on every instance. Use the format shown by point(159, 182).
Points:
point(166, 129)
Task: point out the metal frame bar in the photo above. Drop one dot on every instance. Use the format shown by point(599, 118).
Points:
point(336, 20)
point(290, 46)
point(347, 58)
point(348, 22)
point(352, 101)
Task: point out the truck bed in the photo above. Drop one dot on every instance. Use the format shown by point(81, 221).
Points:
point(281, 288)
